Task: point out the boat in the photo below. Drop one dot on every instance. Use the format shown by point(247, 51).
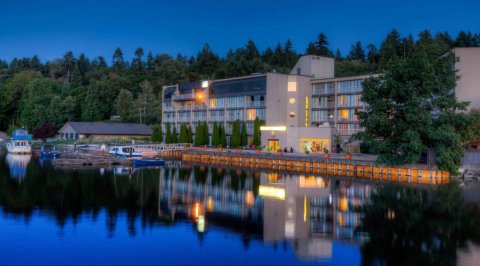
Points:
point(151, 162)
point(48, 151)
point(18, 144)
point(124, 152)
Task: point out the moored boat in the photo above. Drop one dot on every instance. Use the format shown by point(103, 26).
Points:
point(124, 152)
point(48, 151)
point(152, 162)
point(18, 144)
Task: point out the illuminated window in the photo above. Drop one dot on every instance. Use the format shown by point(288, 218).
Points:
point(213, 103)
point(251, 114)
point(292, 86)
point(344, 114)
point(342, 100)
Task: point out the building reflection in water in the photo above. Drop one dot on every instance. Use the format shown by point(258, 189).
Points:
point(313, 212)
point(308, 212)
point(17, 164)
point(205, 194)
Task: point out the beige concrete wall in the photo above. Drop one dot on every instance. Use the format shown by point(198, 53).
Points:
point(286, 99)
point(315, 66)
point(277, 100)
point(468, 67)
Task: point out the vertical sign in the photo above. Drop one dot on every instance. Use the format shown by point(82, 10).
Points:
point(306, 111)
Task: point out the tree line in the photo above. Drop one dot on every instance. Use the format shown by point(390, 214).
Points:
point(79, 88)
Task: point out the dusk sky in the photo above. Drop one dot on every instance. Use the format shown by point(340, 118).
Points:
point(96, 27)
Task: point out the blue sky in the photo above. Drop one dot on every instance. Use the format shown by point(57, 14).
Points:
point(49, 28)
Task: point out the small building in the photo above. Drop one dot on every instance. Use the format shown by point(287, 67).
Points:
point(103, 131)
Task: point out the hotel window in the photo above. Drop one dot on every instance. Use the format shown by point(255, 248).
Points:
point(213, 103)
point(342, 100)
point(235, 101)
point(358, 101)
point(344, 114)
point(235, 114)
point(251, 114)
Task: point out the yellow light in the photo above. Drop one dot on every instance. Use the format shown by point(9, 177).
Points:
point(343, 204)
point(210, 204)
point(311, 182)
point(276, 128)
point(305, 208)
point(249, 198)
point(199, 96)
point(271, 192)
point(306, 111)
point(196, 212)
point(201, 224)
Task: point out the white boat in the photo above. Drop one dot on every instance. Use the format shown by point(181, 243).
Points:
point(124, 152)
point(18, 144)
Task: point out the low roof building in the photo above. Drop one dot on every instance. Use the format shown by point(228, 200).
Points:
point(102, 130)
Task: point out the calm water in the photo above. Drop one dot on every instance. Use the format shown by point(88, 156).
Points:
point(184, 214)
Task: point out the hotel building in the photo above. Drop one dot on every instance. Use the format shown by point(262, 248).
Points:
point(302, 109)
point(281, 100)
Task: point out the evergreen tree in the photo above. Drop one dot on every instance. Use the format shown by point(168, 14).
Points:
point(206, 138)
point(215, 135)
point(183, 134)
point(357, 52)
point(154, 135)
point(321, 46)
point(412, 110)
point(372, 56)
point(223, 137)
point(199, 135)
point(118, 64)
point(189, 134)
point(236, 140)
point(256, 132)
point(338, 55)
point(311, 49)
point(168, 134)
point(244, 141)
point(68, 64)
point(174, 135)
point(159, 134)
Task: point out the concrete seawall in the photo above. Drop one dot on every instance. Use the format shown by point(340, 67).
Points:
point(315, 165)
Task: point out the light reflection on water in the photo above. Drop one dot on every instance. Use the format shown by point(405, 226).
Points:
point(207, 215)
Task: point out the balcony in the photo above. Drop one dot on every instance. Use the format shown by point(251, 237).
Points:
point(232, 118)
point(169, 120)
point(183, 119)
point(256, 104)
point(350, 105)
point(168, 109)
point(217, 118)
point(321, 119)
point(350, 90)
point(329, 105)
point(323, 91)
point(184, 97)
point(184, 108)
point(199, 107)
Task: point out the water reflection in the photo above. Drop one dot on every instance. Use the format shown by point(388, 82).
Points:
point(316, 217)
point(17, 163)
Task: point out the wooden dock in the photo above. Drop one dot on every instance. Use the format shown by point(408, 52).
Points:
point(85, 160)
